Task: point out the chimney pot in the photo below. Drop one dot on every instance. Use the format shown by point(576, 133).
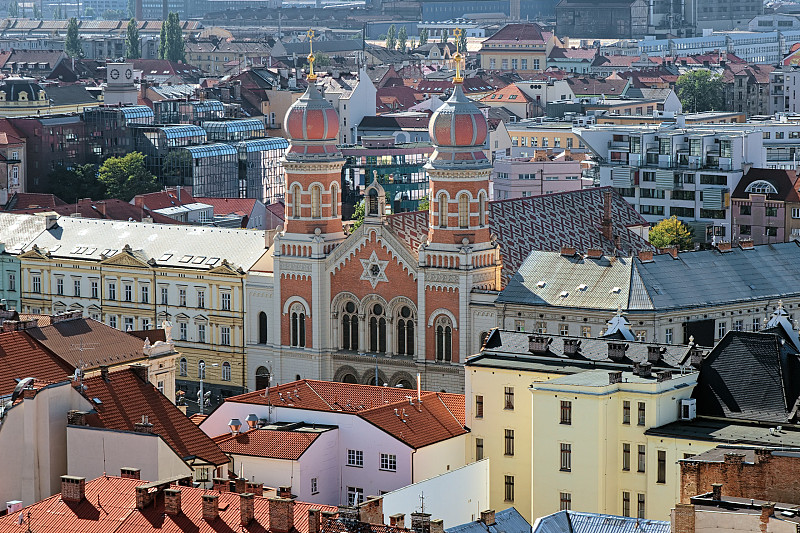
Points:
point(104, 372)
point(240, 485)
point(767, 510)
point(247, 508)
point(73, 488)
point(716, 489)
point(421, 522)
point(211, 507)
point(128, 472)
point(397, 520)
point(437, 526)
point(285, 491)
point(487, 517)
point(172, 501)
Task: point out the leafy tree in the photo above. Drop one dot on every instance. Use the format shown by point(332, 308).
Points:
point(90, 13)
point(391, 38)
point(700, 90)
point(162, 41)
point(671, 232)
point(445, 37)
point(131, 8)
point(462, 42)
point(72, 184)
point(423, 36)
point(113, 14)
point(174, 49)
point(125, 177)
point(73, 44)
point(402, 39)
point(13, 9)
point(177, 168)
point(322, 60)
point(358, 215)
point(424, 204)
point(133, 48)
point(37, 13)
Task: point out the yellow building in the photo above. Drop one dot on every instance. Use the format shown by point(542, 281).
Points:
point(135, 276)
point(559, 418)
point(519, 46)
point(24, 97)
point(529, 136)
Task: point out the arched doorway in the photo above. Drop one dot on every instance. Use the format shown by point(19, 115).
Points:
point(262, 378)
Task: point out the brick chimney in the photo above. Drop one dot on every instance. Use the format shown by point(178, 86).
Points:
point(437, 526)
point(615, 377)
point(724, 247)
point(172, 501)
point(606, 224)
point(247, 508)
point(763, 455)
point(128, 472)
point(643, 370)
point(716, 491)
point(211, 507)
point(76, 418)
point(487, 517)
point(664, 375)
point(143, 497)
point(683, 518)
point(654, 354)
point(256, 488)
point(734, 459)
point(141, 371)
point(616, 350)
point(646, 256)
point(539, 343)
point(281, 515)
point(144, 426)
point(567, 251)
point(371, 511)
point(220, 485)
point(594, 253)
point(397, 520)
point(421, 522)
point(571, 347)
point(746, 244)
point(767, 510)
point(671, 250)
point(285, 491)
point(314, 521)
point(104, 372)
point(73, 489)
point(240, 485)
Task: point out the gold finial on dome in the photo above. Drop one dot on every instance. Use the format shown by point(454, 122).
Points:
point(311, 76)
point(458, 57)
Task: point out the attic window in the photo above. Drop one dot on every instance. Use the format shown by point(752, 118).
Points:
point(90, 251)
point(541, 284)
point(185, 259)
point(106, 251)
point(564, 294)
point(165, 257)
point(583, 287)
point(615, 290)
point(212, 261)
point(97, 401)
point(199, 259)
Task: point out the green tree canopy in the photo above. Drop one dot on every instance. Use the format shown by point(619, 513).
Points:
point(125, 177)
point(113, 14)
point(462, 42)
point(162, 41)
point(402, 39)
point(89, 13)
point(72, 184)
point(13, 9)
point(133, 48)
point(358, 215)
point(172, 45)
point(424, 204)
point(423, 36)
point(391, 38)
point(700, 90)
point(72, 46)
point(671, 232)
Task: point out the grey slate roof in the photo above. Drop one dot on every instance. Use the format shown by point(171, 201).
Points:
point(575, 522)
point(694, 279)
point(16, 231)
point(730, 432)
point(506, 521)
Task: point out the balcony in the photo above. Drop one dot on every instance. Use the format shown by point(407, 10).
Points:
point(619, 145)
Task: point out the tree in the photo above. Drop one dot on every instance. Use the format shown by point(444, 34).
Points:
point(671, 232)
point(133, 48)
point(72, 184)
point(402, 39)
point(424, 204)
point(423, 36)
point(72, 46)
point(131, 8)
point(462, 42)
point(172, 39)
point(322, 60)
point(37, 13)
point(113, 14)
point(391, 38)
point(89, 13)
point(700, 90)
point(13, 9)
point(125, 177)
point(358, 215)
point(162, 41)
point(445, 36)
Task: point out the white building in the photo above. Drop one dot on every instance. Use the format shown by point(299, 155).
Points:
point(353, 98)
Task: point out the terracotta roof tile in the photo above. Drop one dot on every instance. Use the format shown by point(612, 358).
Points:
point(226, 206)
point(272, 443)
point(197, 418)
point(25, 200)
point(166, 198)
point(22, 357)
point(111, 209)
point(126, 398)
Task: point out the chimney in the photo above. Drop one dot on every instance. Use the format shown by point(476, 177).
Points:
point(240, 485)
point(538, 344)
point(683, 519)
point(664, 375)
point(615, 377)
point(172, 501)
point(437, 526)
point(371, 511)
point(645, 369)
point(724, 247)
point(487, 517)
point(572, 347)
point(73, 489)
point(421, 522)
point(143, 496)
point(138, 201)
point(220, 484)
point(607, 228)
point(767, 510)
point(314, 521)
point(671, 250)
point(397, 520)
point(734, 458)
point(716, 489)
point(646, 256)
point(281, 515)
point(128, 472)
point(746, 244)
point(763, 455)
point(104, 372)
point(247, 508)
point(567, 251)
point(285, 492)
point(348, 513)
point(76, 418)
point(594, 253)
point(140, 371)
point(144, 426)
point(256, 488)
point(695, 356)
point(211, 507)
point(102, 207)
point(616, 351)
point(654, 354)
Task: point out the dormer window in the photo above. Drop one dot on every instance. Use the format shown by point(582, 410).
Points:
point(761, 187)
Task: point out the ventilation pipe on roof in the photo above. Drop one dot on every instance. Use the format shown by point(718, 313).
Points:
point(252, 421)
point(235, 424)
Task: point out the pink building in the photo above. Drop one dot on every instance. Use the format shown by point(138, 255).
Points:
point(766, 206)
point(519, 177)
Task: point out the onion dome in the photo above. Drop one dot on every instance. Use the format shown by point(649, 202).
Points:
point(458, 122)
point(313, 126)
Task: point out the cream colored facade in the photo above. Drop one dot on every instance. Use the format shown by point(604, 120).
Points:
point(527, 138)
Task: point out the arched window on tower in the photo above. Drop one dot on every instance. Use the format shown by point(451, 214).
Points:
point(482, 208)
point(405, 331)
point(463, 210)
point(262, 328)
point(316, 209)
point(444, 339)
point(334, 200)
point(262, 378)
point(296, 201)
point(372, 203)
point(298, 319)
point(442, 210)
point(349, 327)
point(377, 329)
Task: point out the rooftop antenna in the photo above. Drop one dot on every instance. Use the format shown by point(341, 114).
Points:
point(422, 501)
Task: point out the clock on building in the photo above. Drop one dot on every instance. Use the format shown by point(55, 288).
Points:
point(114, 74)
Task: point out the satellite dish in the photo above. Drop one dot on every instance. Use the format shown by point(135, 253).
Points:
point(23, 384)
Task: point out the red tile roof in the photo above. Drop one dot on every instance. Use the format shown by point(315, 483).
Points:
point(126, 398)
point(197, 418)
point(227, 206)
point(12, 135)
point(22, 357)
point(166, 198)
point(111, 209)
point(510, 94)
point(110, 507)
point(25, 200)
point(271, 443)
point(519, 32)
point(440, 418)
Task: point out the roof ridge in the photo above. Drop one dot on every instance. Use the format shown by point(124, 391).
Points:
point(438, 397)
point(306, 381)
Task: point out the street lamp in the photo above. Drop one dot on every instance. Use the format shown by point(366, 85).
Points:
point(201, 396)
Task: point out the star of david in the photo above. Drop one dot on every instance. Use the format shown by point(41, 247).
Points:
point(374, 270)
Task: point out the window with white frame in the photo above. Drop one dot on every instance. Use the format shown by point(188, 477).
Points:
point(183, 367)
point(226, 371)
point(94, 287)
point(128, 292)
point(145, 290)
point(226, 300)
point(164, 295)
point(201, 298)
point(112, 290)
point(112, 321)
point(314, 486)
point(60, 286)
point(12, 281)
point(183, 327)
point(668, 336)
point(76, 287)
point(225, 336)
point(355, 458)
point(389, 462)
point(182, 297)
point(201, 333)
point(355, 495)
point(128, 321)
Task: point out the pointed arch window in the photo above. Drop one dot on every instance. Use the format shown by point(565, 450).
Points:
point(349, 327)
point(334, 200)
point(463, 210)
point(316, 208)
point(482, 208)
point(298, 319)
point(296, 201)
point(405, 331)
point(377, 329)
point(444, 339)
point(442, 210)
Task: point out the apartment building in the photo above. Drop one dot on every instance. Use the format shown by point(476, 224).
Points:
point(520, 177)
point(528, 136)
point(784, 82)
point(519, 46)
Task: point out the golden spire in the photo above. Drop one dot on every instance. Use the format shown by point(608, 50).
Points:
point(458, 57)
point(311, 76)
